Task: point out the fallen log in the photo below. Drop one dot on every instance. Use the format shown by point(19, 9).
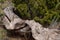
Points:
point(38, 32)
point(11, 20)
point(41, 33)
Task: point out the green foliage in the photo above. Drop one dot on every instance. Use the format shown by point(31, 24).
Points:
point(42, 11)
point(1, 1)
point(23, 9)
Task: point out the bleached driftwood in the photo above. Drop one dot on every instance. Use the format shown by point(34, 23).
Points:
point(11, 20)
point(41, 33)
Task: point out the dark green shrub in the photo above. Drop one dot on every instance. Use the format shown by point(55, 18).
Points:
point(42, 11)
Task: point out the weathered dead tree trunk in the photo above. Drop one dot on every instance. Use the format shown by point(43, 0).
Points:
point(12, 21)
point(40, 33)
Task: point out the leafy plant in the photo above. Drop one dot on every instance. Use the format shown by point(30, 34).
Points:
point(42, 11)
